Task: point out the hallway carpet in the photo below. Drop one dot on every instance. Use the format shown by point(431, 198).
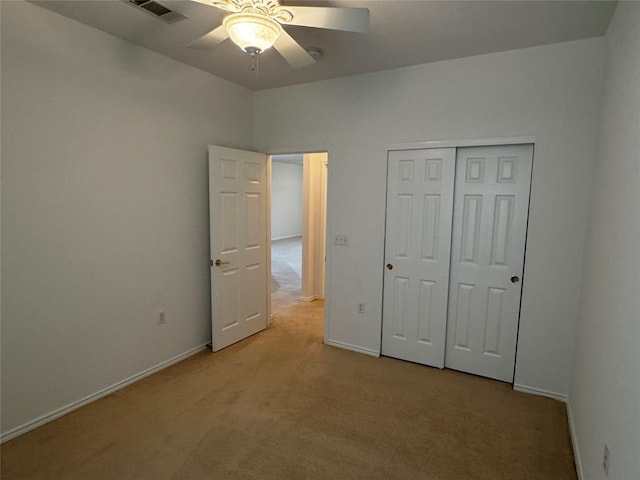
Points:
point(286, 269)
point(281, 405)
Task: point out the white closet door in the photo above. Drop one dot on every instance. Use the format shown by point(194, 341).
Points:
point(487, 258)
point(417, 251)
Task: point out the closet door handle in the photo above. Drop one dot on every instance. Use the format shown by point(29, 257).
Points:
point(515, 279)
point(389, 266)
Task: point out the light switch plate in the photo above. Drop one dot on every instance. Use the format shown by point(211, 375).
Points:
point(341, 239)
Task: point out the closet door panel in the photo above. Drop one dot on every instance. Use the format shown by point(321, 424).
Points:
point(417, 252)
point(488, 247)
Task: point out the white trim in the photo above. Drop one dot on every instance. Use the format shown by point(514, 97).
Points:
point(299, 149)
point(38, 422)
point(309, 299)
point(268, 240)
point(287, 237)
point(478, 142)
point(353, 348)
point(572, 429)
point(539, 391)
point(574, 443)
point(327, 245)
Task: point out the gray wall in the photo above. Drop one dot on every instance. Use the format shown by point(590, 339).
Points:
point(104, 207)
point(286, 200)
point(605, 389)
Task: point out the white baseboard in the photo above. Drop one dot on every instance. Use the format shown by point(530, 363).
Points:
point(574, 443)
point(309, 299)
point(286, 238)
point(353, 348)
point(572, 430)
point(539, 391)
point(48, 417)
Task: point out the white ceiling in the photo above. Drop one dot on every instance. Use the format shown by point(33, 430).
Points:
point(402, 33)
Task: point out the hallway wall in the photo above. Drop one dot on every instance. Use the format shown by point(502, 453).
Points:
point(286, 200)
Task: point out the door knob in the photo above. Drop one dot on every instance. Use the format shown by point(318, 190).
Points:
point(515, 279)
point(389, 266)
point(220, 262)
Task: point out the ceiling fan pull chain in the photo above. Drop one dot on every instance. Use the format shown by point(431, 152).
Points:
point(254, 63)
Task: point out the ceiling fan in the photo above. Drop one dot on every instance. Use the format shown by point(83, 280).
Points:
point(256, 25)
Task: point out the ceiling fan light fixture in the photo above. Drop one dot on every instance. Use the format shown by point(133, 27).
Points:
point(252, 32)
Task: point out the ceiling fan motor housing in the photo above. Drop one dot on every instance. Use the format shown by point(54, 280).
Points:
point(256, 25)
point(252, 32)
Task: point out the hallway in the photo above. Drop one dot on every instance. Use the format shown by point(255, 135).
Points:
point(286, 270)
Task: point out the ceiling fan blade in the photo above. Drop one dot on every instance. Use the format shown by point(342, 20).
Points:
point(211, 40)
point(332, 18)
point(292, 51)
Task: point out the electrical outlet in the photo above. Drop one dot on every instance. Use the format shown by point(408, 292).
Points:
point(341, 239)
point(605, 459)
point(162, 317)
point(361, 307)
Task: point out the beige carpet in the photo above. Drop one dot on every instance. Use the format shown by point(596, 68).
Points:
point(286, 269)
point(281, 405)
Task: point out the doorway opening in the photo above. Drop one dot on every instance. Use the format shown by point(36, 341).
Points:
point(298, 213)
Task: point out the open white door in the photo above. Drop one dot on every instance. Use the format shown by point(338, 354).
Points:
point(238, 239)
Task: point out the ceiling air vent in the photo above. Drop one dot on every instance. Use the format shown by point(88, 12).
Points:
point(157, 10)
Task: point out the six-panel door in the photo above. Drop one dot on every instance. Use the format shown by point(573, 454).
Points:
point(487, 258)
point(454, 299)
point(418, 240)
point(238, 239)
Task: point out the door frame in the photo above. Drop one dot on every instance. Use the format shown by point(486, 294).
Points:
point(461, 143)
point(328, 149)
